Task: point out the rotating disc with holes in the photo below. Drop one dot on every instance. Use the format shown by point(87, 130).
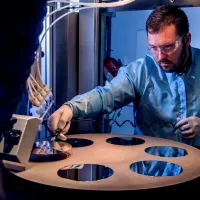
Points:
point(118, 162)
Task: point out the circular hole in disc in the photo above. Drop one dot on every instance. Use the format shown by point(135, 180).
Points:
point(166, 151)
point(78, 142)
point(127, 141)
point(156, 168)
point(47, 150)
point(82, 172)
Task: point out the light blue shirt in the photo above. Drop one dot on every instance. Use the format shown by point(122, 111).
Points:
point(157, 96)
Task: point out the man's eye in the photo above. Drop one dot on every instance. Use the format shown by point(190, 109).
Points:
point(168, 47)
point(153, 48)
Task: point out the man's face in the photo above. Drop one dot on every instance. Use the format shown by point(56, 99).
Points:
point(173, 46)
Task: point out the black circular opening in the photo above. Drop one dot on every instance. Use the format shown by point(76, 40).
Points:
point(166, 151)
point(78, 142)
point(82, 172)
point(125, 141)
point(156, 168)
point(47, 150)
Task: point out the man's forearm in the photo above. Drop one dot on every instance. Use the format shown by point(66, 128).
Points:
point(86, 105)
point(102, 100)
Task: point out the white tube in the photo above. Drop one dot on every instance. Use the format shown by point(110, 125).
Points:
point(97, 5)
point(89, 5)
point(43, 36)
point(59, 9)
point(58, 20)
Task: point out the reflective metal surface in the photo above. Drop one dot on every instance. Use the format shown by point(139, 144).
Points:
point(119, 158)
point(166, 151)
point(155, 168)
point(125, 141)
point(44, 150)
point(79, 172)
point(78, 142)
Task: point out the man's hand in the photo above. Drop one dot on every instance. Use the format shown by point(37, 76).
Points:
point(189, 127)
point(61, 119)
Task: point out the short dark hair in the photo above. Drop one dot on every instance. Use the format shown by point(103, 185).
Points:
point(167, 15)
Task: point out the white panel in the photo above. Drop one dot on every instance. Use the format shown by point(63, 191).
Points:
point(141, 45)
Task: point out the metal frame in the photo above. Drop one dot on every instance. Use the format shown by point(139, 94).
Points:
point(64, 77)
point(89, 55)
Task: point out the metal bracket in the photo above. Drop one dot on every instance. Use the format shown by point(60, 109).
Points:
point(20, 152)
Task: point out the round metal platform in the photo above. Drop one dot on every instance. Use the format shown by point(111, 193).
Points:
point(117, 160)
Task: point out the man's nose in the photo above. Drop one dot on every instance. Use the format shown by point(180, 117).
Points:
point(161, 55)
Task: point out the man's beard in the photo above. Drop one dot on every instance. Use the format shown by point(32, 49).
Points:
point(181, 62)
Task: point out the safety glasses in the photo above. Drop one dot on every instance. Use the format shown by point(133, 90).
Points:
point(167, 48)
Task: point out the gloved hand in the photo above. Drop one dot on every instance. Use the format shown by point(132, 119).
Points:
point(61, 119)
point(188, 127)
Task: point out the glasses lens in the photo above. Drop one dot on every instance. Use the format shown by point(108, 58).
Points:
point(168, 48)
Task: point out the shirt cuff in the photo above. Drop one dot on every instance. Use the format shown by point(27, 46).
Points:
point(72, 108)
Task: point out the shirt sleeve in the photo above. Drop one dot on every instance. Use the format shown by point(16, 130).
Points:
point(117, 93)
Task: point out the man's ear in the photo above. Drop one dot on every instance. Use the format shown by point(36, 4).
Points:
point(187, 39)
